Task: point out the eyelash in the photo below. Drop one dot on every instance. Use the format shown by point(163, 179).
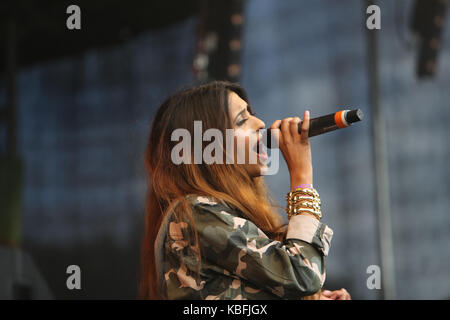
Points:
point(240, 123)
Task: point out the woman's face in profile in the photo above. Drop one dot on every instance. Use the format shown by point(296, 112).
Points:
point(247, 136)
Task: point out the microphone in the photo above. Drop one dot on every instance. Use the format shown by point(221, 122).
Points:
point(324, 124)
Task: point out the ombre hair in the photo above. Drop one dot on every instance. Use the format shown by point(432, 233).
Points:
point(170, 183)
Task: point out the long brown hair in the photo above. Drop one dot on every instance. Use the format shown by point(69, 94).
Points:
point(169, 183)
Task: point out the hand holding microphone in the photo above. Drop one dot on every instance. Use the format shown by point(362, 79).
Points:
point(327, 123)
point(293, 139)
point(295, 147)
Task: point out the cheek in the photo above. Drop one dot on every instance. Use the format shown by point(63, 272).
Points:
point(242, 140)
point(244, 148)
point(241, 145)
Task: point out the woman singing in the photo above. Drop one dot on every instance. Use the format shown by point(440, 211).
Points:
point(211, 229)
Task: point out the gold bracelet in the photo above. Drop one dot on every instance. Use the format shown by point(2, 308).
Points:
point(297, 211)
point(293, 209)
point(307, 200)
point(306, 191)
point(307, 204)
point(295, 196)
point(303, 200)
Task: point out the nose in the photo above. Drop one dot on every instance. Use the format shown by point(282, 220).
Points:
point(259, 124)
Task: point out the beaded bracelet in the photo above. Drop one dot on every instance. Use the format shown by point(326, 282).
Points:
point(303, 185)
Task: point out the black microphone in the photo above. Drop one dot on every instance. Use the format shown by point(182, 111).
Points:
point(324, 124)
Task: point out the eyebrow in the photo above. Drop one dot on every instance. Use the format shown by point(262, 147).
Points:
point(240, 112)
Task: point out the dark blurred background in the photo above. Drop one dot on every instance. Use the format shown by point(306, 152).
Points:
point(76, 108)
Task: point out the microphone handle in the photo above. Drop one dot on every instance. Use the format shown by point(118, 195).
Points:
point(327, 123)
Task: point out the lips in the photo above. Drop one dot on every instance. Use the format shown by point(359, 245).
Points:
point(261, 150)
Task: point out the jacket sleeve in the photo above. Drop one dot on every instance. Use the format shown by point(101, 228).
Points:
point(290, 269)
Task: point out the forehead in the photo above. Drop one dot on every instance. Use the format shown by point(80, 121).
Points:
point(235, 103)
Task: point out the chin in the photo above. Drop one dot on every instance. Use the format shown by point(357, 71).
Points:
point(257, 170)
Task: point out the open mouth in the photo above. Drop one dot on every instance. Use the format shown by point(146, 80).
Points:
point(260, 150)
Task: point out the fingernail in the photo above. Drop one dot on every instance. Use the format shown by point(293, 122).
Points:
point(307, 113)
point(326, 292)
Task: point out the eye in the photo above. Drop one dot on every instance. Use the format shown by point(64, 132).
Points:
point(250, 112)
point(240, 123)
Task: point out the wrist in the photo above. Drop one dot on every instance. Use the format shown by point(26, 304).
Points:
point(297, 180)
point(304, 213)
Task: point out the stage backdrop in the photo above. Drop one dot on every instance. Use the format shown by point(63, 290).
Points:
point(84, 121)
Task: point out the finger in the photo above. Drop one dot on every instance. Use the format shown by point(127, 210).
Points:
point(339, 294)
point(333, 295)
point(346, 294)
point(275, 132)
point(343, 294)
point(293, 128)
point(285, 130)
point(326, 293)
point(305, 127)
point(275, 124)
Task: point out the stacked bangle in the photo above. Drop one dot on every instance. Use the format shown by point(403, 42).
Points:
point(303, 200)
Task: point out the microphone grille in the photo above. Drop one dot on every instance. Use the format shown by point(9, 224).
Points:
point(354, 116)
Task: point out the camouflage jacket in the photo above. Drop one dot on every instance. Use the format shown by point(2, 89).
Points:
point(239, 261)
